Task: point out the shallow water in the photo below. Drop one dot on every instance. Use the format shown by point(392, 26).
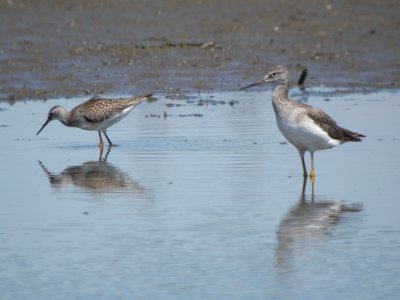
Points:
point(200, 200)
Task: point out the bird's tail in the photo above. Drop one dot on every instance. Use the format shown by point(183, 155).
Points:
point(350, 136)
point(137, 99)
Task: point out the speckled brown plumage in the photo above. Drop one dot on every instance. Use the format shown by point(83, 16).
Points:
point(98, 109)
point(95, 114)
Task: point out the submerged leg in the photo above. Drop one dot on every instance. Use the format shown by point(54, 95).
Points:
point(303, 189)
point(101, 158)
point(312, 189)
point(101, 153)
point(101, 141)
point(303, 163)
point(312, 174)
point(108, 139)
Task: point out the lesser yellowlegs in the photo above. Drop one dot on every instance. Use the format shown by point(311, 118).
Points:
point(97, 177)
point(95, 114)
point(306, 127)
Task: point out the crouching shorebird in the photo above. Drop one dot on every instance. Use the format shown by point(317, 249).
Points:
point(95, 114)
point(306, 127)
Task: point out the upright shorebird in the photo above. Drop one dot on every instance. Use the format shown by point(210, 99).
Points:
point(95, 114)
point(306, 127)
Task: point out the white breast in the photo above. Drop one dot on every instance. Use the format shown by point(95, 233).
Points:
point(305, 134)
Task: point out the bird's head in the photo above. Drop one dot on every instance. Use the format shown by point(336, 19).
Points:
point(55, 113)
point(276, 74)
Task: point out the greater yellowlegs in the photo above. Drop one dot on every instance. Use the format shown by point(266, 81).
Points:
point(306, 127)
point(95, 114)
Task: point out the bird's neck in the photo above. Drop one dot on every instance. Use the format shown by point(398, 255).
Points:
point(65, 118)
point(280, 94)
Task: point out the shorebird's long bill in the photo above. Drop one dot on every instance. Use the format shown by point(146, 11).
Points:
point(44, 125)
point(258, 82)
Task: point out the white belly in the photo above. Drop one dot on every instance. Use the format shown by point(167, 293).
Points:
point(107, 122)
point(115, 119)
point(305, 134)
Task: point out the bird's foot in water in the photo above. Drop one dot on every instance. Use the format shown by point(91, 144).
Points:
point(312, 175)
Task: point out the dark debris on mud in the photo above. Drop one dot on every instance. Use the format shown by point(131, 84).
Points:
point(71, 48)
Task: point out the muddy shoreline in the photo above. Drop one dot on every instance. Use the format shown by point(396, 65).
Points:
point(53, 49)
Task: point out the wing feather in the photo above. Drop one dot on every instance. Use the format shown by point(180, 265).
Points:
point(330, 126)
point(98, 109)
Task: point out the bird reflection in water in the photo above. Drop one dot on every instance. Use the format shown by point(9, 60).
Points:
point(309, 219)
point(96, 177)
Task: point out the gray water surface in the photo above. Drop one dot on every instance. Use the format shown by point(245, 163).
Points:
point(200, 200)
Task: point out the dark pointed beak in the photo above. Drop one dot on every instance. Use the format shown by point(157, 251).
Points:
point(258, 82)
point(44, 125)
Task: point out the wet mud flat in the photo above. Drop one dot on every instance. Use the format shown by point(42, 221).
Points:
point(51, 49)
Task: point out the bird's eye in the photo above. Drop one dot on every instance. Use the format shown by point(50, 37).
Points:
point(274, 74)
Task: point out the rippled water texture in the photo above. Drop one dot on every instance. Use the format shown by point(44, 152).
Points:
point(201, 198)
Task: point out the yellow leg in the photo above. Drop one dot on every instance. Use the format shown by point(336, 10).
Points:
point(101, 144)
point(312, 173)
point(312, 189)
